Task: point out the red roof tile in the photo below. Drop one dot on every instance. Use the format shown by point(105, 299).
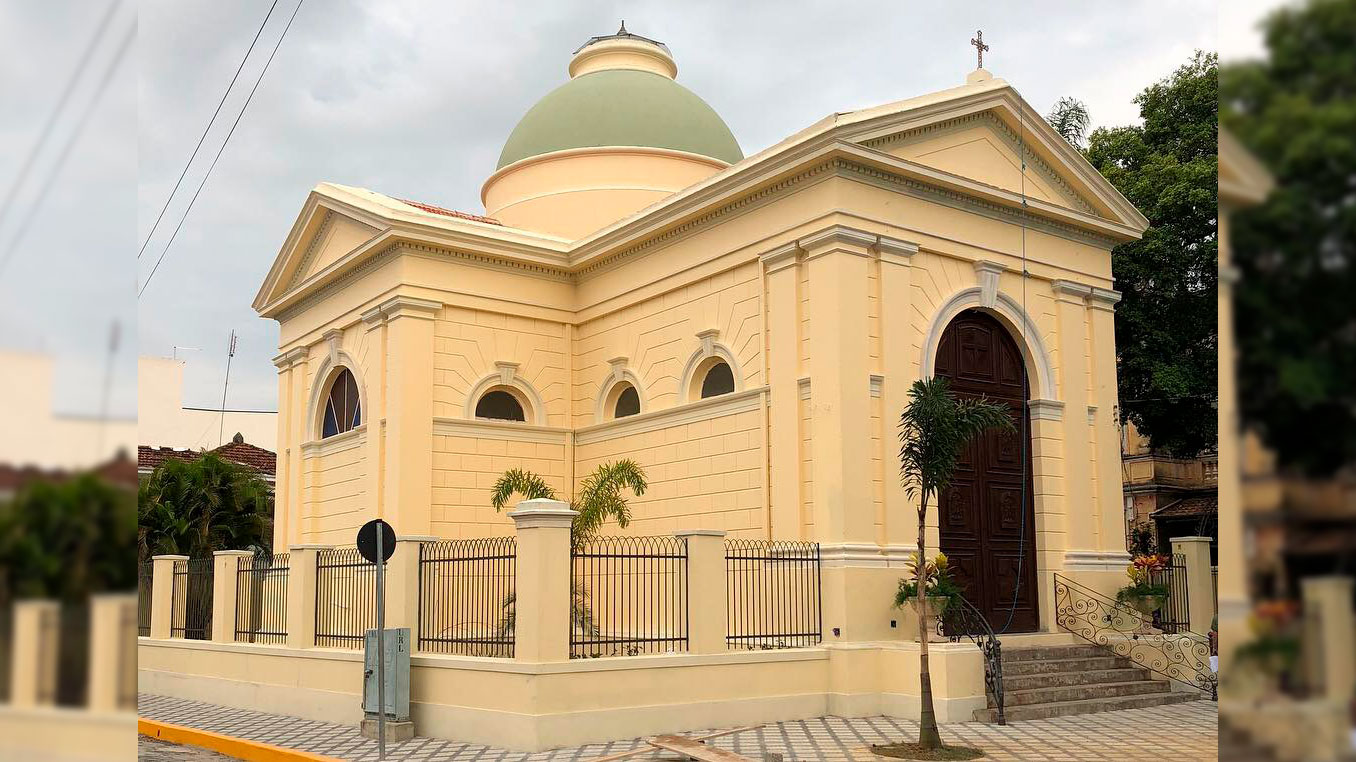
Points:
point(236, 451)
point(430, 208)
point(1199, 505)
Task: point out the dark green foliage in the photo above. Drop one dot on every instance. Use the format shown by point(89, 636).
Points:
point(66, 540)
point(196, 507)
point(1294, 320)
point(1166, 333)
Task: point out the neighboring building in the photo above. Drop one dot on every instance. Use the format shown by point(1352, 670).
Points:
point(747, 328)
point(1175, 497)
point(37, 437)
point(163, 421)
point(236, 451)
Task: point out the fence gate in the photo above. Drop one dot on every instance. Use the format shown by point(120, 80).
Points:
point(1173, 617)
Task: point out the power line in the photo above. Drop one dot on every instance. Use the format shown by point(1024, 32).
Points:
point(206, 129)
point(66, 149)
point(213, 165)
point(47, 127)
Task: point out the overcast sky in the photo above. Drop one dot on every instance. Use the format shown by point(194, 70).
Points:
point(414, 98)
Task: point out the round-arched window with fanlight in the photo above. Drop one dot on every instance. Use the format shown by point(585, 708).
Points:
point(343, 409)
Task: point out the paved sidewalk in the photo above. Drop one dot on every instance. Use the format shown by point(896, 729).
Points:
point(1179, 732)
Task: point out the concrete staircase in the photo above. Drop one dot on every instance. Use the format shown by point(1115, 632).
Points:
point(1059, 680)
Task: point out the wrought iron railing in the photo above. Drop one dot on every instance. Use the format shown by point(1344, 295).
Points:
point(191, 599)
point(772, 594)
point(345, 598)
point(144, 577)
point(1183, 656)
point(467, 597)
point(628, 596)
point(261, 598)
point(962, 620)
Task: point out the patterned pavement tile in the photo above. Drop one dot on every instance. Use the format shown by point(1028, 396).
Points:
point(1180, 732)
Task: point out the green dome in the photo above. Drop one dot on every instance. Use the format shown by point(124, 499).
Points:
point(621, 107)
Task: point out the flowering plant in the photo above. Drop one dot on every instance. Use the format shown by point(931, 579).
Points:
point(1141, 572)
point(937, 580)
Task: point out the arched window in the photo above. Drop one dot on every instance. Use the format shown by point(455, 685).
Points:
point(628, 402)
point(343, 411)
point(500, 406)
point(719, 380)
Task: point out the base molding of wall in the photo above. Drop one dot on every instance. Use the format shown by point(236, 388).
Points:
point(864, 555)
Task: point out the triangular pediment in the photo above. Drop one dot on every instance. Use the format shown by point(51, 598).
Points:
point(983, 133)
point(980, 147)
point(325, 233)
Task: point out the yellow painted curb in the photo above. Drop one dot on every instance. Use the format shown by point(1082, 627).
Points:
point(253, 751)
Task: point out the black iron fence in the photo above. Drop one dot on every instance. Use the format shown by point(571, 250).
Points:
point(261, 598)
point(144, 578)
point(1173, 617)
point(467, 597)
point(772, 594)
point(346, 598)
point(191, 601)
point(628, 596)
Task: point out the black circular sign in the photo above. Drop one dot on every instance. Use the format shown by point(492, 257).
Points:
point(367, 540)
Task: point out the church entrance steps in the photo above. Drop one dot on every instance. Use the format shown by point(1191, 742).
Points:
point(1043, 681)
point(1033, 639)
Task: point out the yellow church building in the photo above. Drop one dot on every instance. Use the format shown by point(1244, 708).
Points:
point(744, 327)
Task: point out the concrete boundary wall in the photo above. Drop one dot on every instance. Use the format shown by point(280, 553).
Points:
point(536, 706)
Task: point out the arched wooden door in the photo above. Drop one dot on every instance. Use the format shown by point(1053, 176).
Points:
point(983, 515)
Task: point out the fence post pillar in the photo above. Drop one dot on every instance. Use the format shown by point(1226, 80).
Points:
point(706, 605)
point(33, 658)
point(162, 594)
point(110, 631)
point(402, 584)
point(225, 573)
point(542, 607)
point(1330, 598)
point(301, 581)
point(1200, 587)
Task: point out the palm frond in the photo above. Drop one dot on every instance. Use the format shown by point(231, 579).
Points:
point(520, 482)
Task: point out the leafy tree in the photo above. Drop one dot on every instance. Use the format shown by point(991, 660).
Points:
point(933, 432)
point(195, 507)
point(66, 540)
point(1069, 117)
point(1294, 322)
point(599, 498)
point(1166, 323)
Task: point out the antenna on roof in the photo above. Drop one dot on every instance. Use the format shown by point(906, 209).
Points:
point(230, 352)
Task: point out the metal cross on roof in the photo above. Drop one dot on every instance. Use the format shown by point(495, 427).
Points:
point(980, 47)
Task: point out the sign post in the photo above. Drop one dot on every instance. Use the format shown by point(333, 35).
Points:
point(376, 543)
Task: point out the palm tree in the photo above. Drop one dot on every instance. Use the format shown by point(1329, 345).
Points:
point(195, 507)
point(934, 430)
point(599, 498)
point(1070, 119)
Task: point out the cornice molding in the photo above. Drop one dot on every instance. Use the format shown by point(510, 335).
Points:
point(409, 306)
point(895, 250)
point(1046, 410)
point(351, 439)
point(513, 432)
point(781, 257)
point(1103, 299)
point(1070, 292)
point(311, 249)
point(291, 358)
point(701, 410)
point(838, 238)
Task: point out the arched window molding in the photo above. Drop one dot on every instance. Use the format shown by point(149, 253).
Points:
point(611, 387)
point(1009, 312)
point(335, 363)
point(710, 352)
point(505, 378)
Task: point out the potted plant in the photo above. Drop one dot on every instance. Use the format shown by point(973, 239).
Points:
point(938, 588)
point(1143, 594)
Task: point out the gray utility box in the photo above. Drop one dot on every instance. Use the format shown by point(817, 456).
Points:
point(397, 674)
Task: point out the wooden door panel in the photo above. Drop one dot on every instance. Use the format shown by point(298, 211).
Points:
point(987, 528)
